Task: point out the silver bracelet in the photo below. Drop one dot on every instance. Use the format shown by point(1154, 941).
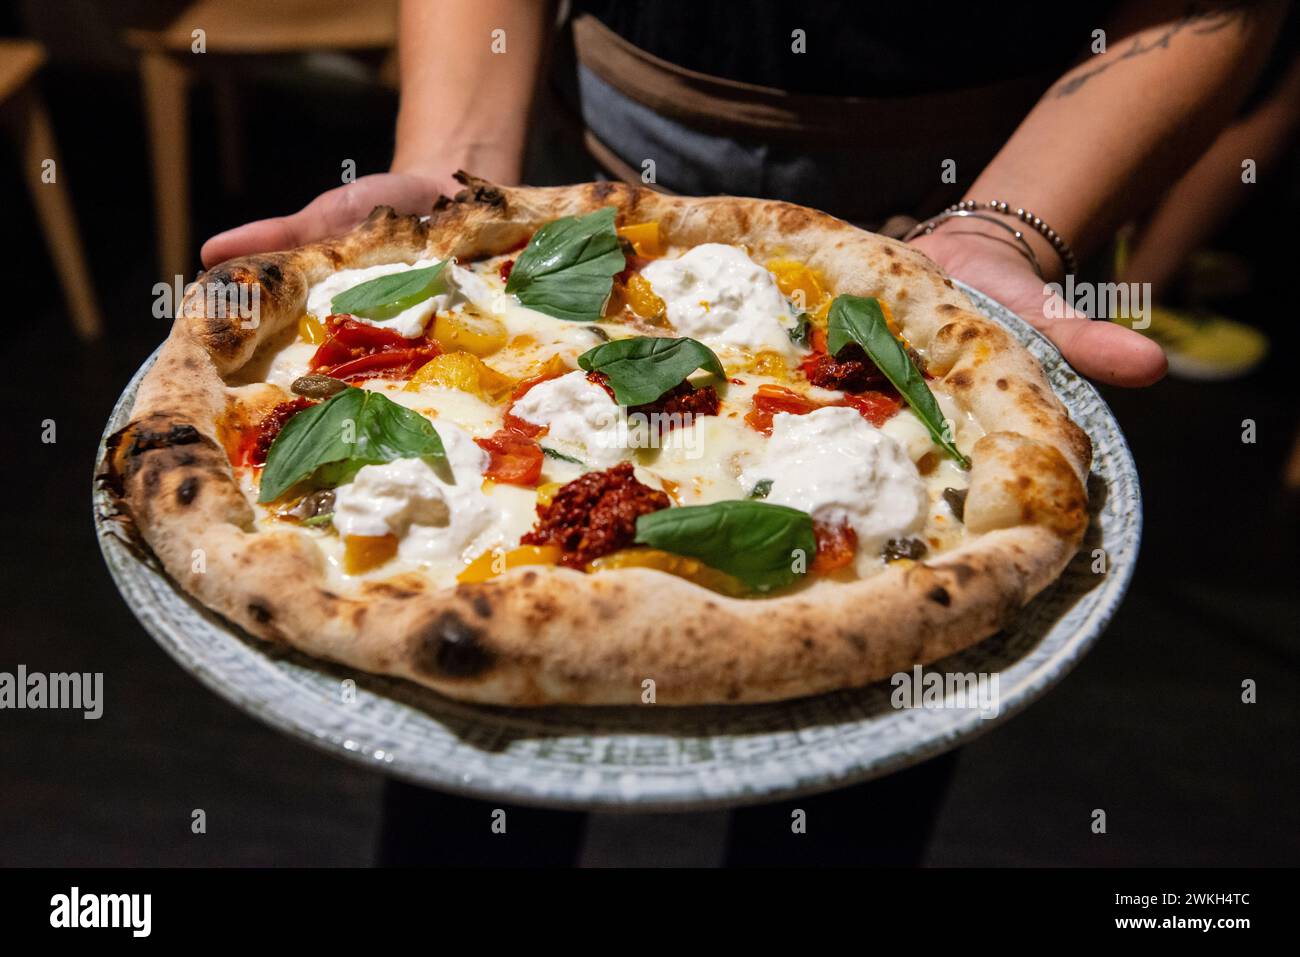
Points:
point(1068, 260)
point(952, 212)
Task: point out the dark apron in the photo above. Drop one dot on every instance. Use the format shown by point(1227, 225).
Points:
point(863, 159)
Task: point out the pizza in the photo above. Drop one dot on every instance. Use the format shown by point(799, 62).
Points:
point(565, 445)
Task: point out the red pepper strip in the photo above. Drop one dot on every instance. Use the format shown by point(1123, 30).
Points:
point(403, 363)
point(513, 458)
point(876, 407)
point(836, 546)
point(355, 349)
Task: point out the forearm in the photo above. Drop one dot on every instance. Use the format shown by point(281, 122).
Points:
point(463, 104)
point(1113, 133)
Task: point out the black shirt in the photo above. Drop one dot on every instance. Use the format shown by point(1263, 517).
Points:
point(895, 48)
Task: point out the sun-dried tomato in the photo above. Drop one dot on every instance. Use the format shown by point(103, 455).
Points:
point(836, 546)
point(594, 514)
point(258, 440)
point(505, 270)
point(850, 371)
point(682, 400)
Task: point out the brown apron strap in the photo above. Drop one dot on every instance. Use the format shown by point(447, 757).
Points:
point(615, 165)
point(729, 107)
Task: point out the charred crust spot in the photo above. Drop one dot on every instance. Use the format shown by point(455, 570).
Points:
point(151, 480)
point(940, 595)
point(482, 607)
point(896, 268)
point(968, 333)
point(960, 379)
point(147, 440)
point(260, 612)
point(187, 490)
point(527, 578)
point(946, 308)
point(441, 203)
point(477, 190)
point(1002, 384)
point(889, 251)
point(450, 648)
point(858, 642)
point(271, 276)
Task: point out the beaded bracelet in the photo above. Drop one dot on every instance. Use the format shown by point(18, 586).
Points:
point(927, 227)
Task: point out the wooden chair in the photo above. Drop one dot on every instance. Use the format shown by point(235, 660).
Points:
point(232, 29)
point(22, 110)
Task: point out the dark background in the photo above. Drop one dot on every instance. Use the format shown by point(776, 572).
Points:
point(1150, 727)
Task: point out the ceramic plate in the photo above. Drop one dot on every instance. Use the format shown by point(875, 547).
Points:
point(656, 758)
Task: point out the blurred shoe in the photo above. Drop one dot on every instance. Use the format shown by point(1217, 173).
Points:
point(1203, 346)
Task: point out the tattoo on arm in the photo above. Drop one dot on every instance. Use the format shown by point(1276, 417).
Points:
point(1198, 19)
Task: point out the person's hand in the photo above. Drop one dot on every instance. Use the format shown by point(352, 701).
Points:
point(331, 213)
point(1105, 351)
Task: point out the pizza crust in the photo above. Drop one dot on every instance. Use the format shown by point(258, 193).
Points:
point(543, 635)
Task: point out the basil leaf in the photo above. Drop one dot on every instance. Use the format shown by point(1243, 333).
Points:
point(757, 542)
point(801, 331)
point(318, 519)
point(643, 368)
point(854, 319)
point(330, 442)
point(762, 488)
point(386, 296)
point(568, 268)
point(557, 454)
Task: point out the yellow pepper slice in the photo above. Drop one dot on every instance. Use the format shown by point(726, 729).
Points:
point(497, 560)
point(691, 569)
point(641, 297)
point(644, 238)
point(546, 492)
point(311, 330)
point(470, 332)
point(799, 282)
point(463, 371)
point(364, 552)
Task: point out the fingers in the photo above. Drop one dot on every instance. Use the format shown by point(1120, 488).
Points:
point(1107, 352)
point(256, 237)
point(329, 214)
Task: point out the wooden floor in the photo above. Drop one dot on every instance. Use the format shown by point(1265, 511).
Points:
point(1150, 727)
